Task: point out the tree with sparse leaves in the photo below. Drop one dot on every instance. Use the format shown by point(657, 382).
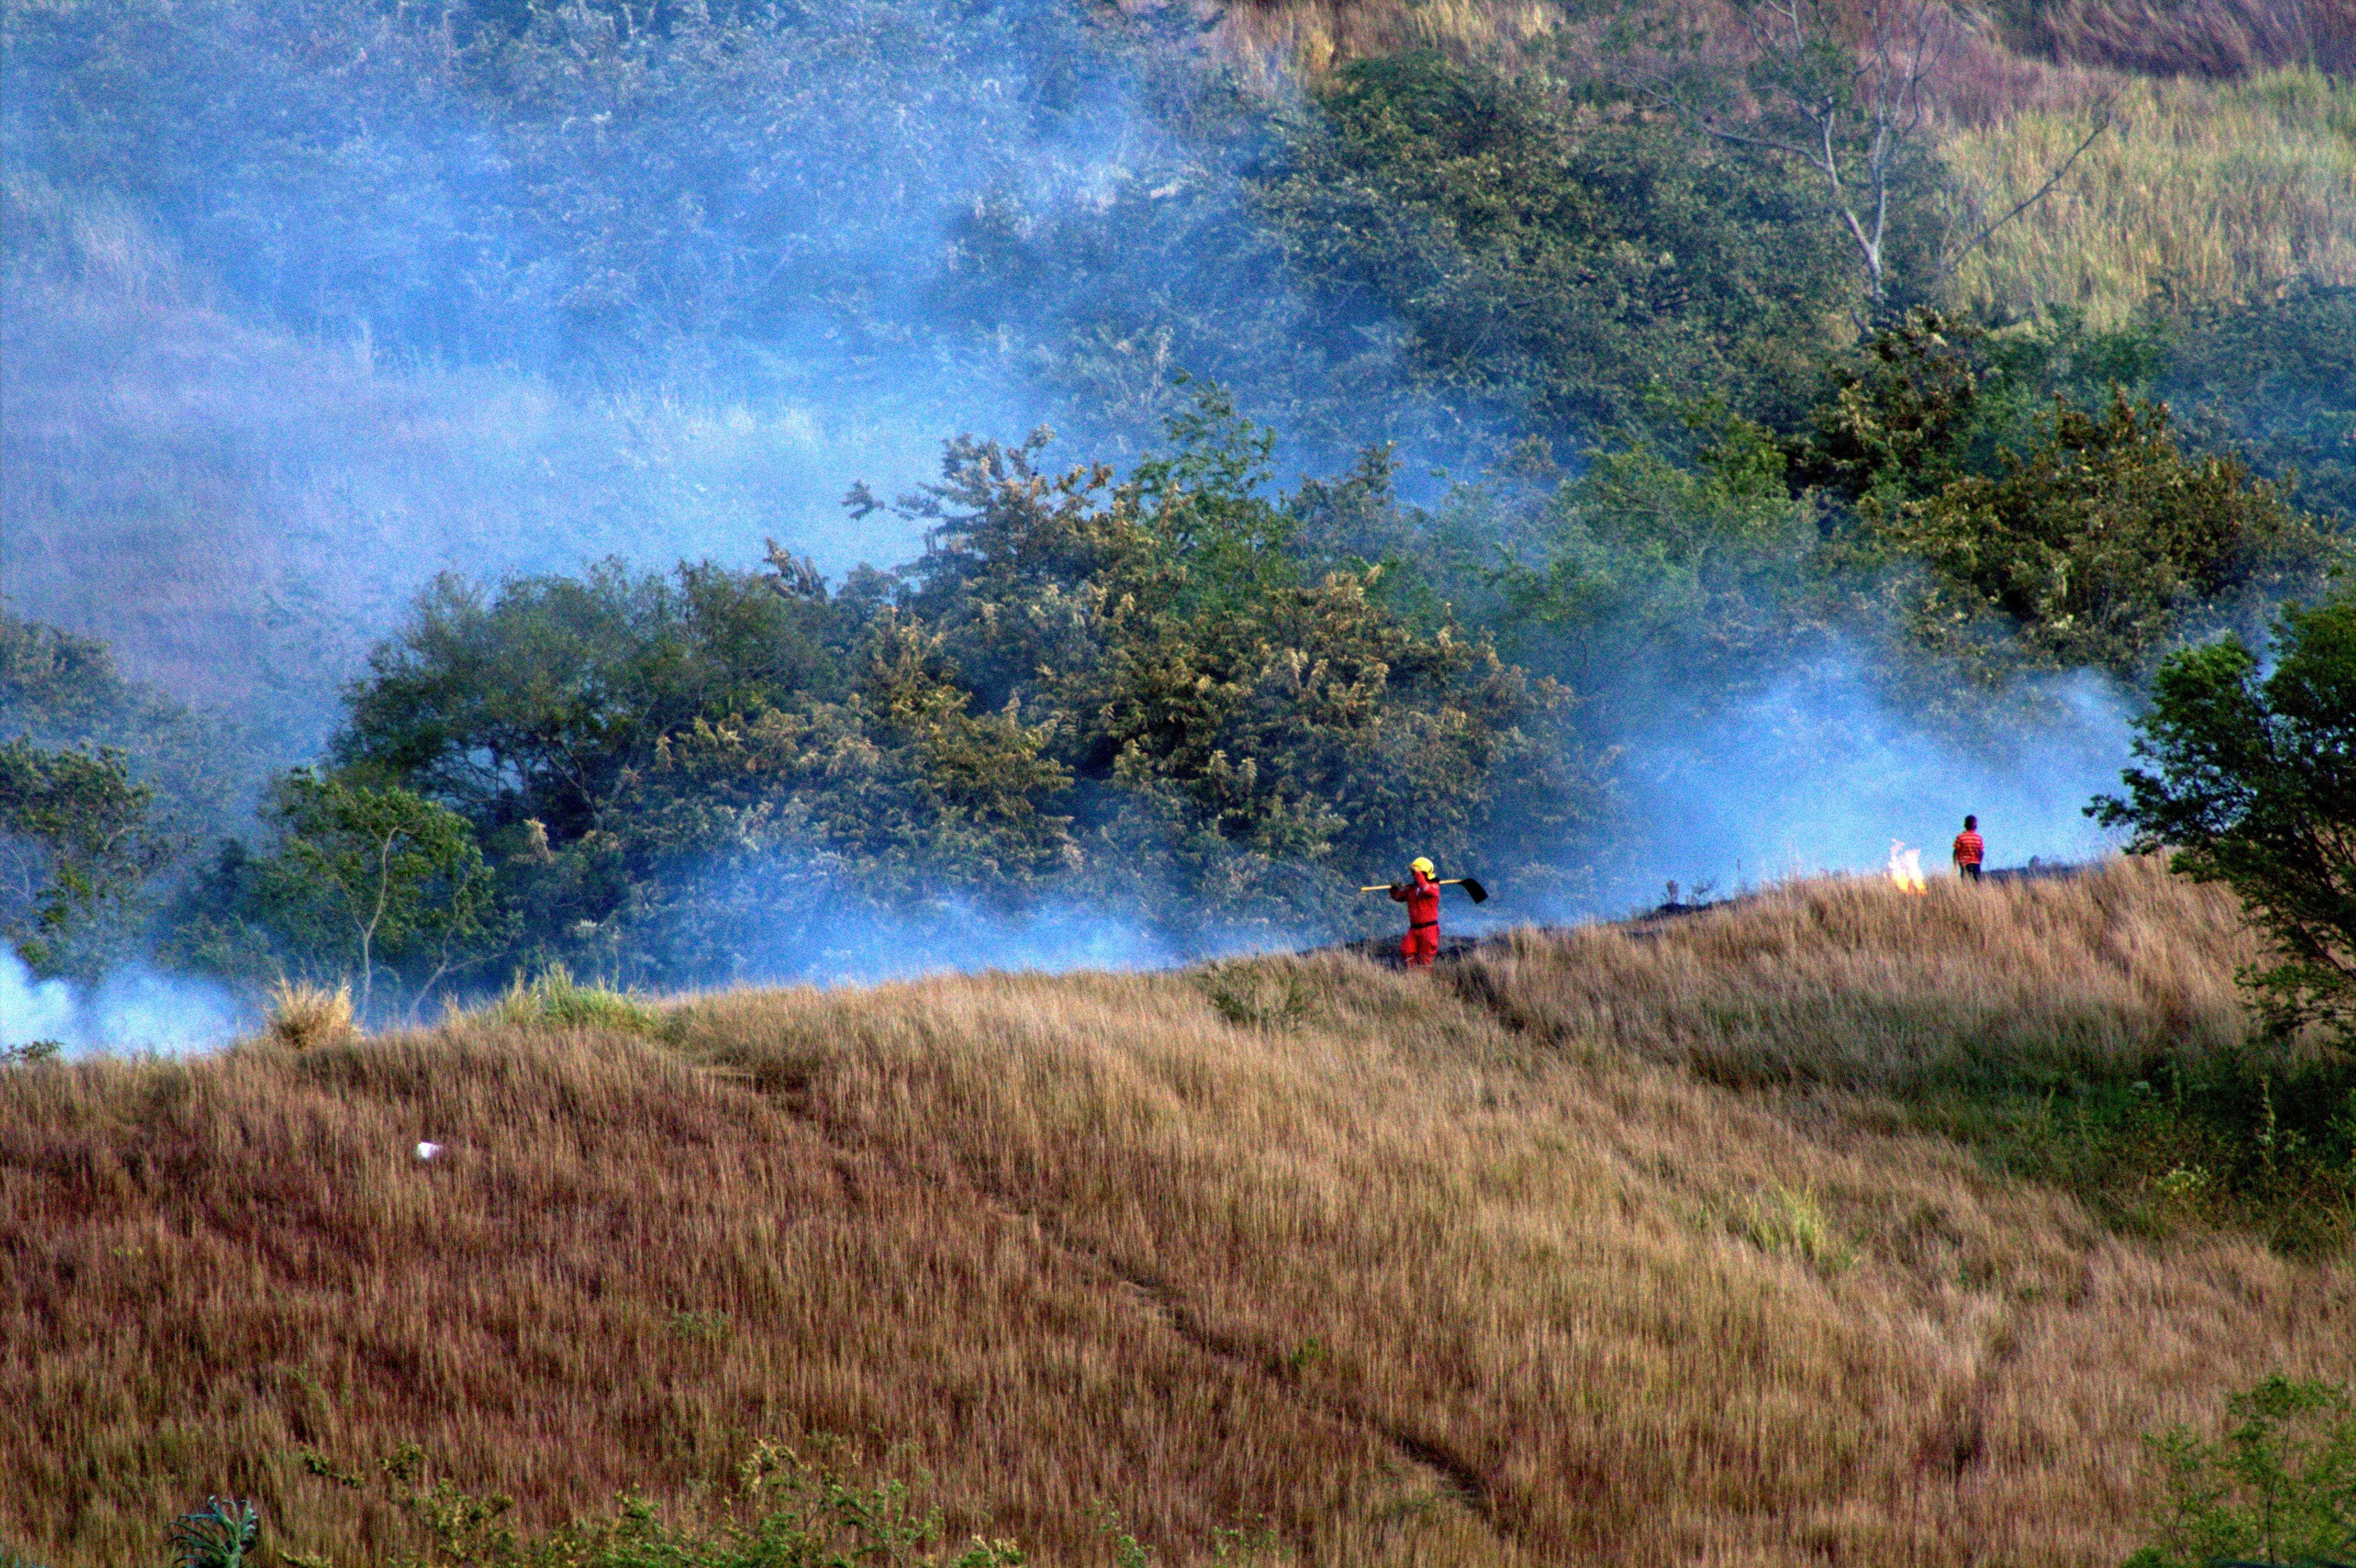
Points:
point(1844, 94)
point(361, 882)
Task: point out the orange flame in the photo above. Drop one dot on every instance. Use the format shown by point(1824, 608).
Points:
point(1906, 867)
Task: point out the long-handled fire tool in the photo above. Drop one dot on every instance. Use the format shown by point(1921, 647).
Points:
point(1470, 884)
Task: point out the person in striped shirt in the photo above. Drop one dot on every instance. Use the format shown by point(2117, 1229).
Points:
point(1970, 850)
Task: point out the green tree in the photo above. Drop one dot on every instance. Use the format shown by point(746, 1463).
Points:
point(2278, 1488)
point(1246, 725)
point(77, 846)
point(1652, 579)
point(60, 690)
point(2276, 380)
point(367, 881)
point(543, 698)
point(2251, 780)
point(2097, 547)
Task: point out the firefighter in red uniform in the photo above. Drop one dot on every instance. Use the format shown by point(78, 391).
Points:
point(1421, 896)
point(1970, 850)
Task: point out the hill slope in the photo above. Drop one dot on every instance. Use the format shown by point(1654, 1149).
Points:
point(1610, 1246)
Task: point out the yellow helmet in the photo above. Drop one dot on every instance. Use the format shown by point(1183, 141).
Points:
point(1422, 864)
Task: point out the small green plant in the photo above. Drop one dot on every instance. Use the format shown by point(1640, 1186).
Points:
point(1783, 1220)
point(1236, 1544)
point(1126, 1550)
point(554, 999)
point(218, 1535)
point(32, 1051)
point(2184, 1186)
point(700, 1324)
point(790, 1511)
point(2278, 1488)
point(1304, 1356)
point(314, 1463)
point(1248, 995)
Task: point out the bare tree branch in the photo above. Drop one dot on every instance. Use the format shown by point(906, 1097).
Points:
point(2101, 123)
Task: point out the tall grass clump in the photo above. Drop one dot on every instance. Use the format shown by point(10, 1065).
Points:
point(2202, 192)
point(302, 1016)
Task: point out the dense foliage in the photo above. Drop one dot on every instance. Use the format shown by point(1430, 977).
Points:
point(2252, 780)
point(2277, 1485)
point(1140, 694)
point(1075, 208)
point(59, 690)
point(359, 883)
point(1550, 259)
point(75, 848)
point(105, 785)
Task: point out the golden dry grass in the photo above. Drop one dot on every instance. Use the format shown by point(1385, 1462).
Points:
point(301, 1017)
point(2219, 193)
point(1507, 1265)
point(2218, 38)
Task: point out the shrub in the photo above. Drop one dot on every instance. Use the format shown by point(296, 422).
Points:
point(2279, 1487)
point(554, 999)
point(2250, 786)
point(302, 1016)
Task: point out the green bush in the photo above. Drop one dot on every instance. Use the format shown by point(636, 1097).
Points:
point(2252, 783)
point(554, 999)
point(2278, 1487)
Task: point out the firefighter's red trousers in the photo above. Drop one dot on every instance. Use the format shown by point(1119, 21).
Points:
point(1421, 945)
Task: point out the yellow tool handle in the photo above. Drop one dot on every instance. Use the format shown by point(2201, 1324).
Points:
point(1442, 882)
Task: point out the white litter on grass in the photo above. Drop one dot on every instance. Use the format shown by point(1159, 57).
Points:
point(427, 1151)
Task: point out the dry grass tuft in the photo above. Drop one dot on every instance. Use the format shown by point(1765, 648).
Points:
point(302, 1016)
point(1596, 1252)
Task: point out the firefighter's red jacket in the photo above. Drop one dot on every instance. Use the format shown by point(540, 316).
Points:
point(1422, 900)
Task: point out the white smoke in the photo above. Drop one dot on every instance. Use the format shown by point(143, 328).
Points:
point(131, 1010)
point(1821, 771)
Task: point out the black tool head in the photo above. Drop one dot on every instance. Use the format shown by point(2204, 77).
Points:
point(1480, 894)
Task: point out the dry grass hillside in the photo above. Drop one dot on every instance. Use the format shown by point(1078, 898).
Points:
point(1616, 1246)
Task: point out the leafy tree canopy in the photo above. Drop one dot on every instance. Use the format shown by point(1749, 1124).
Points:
point(2252, 781)
point(358, 883)
point(77, 843)
point(1154, 692)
